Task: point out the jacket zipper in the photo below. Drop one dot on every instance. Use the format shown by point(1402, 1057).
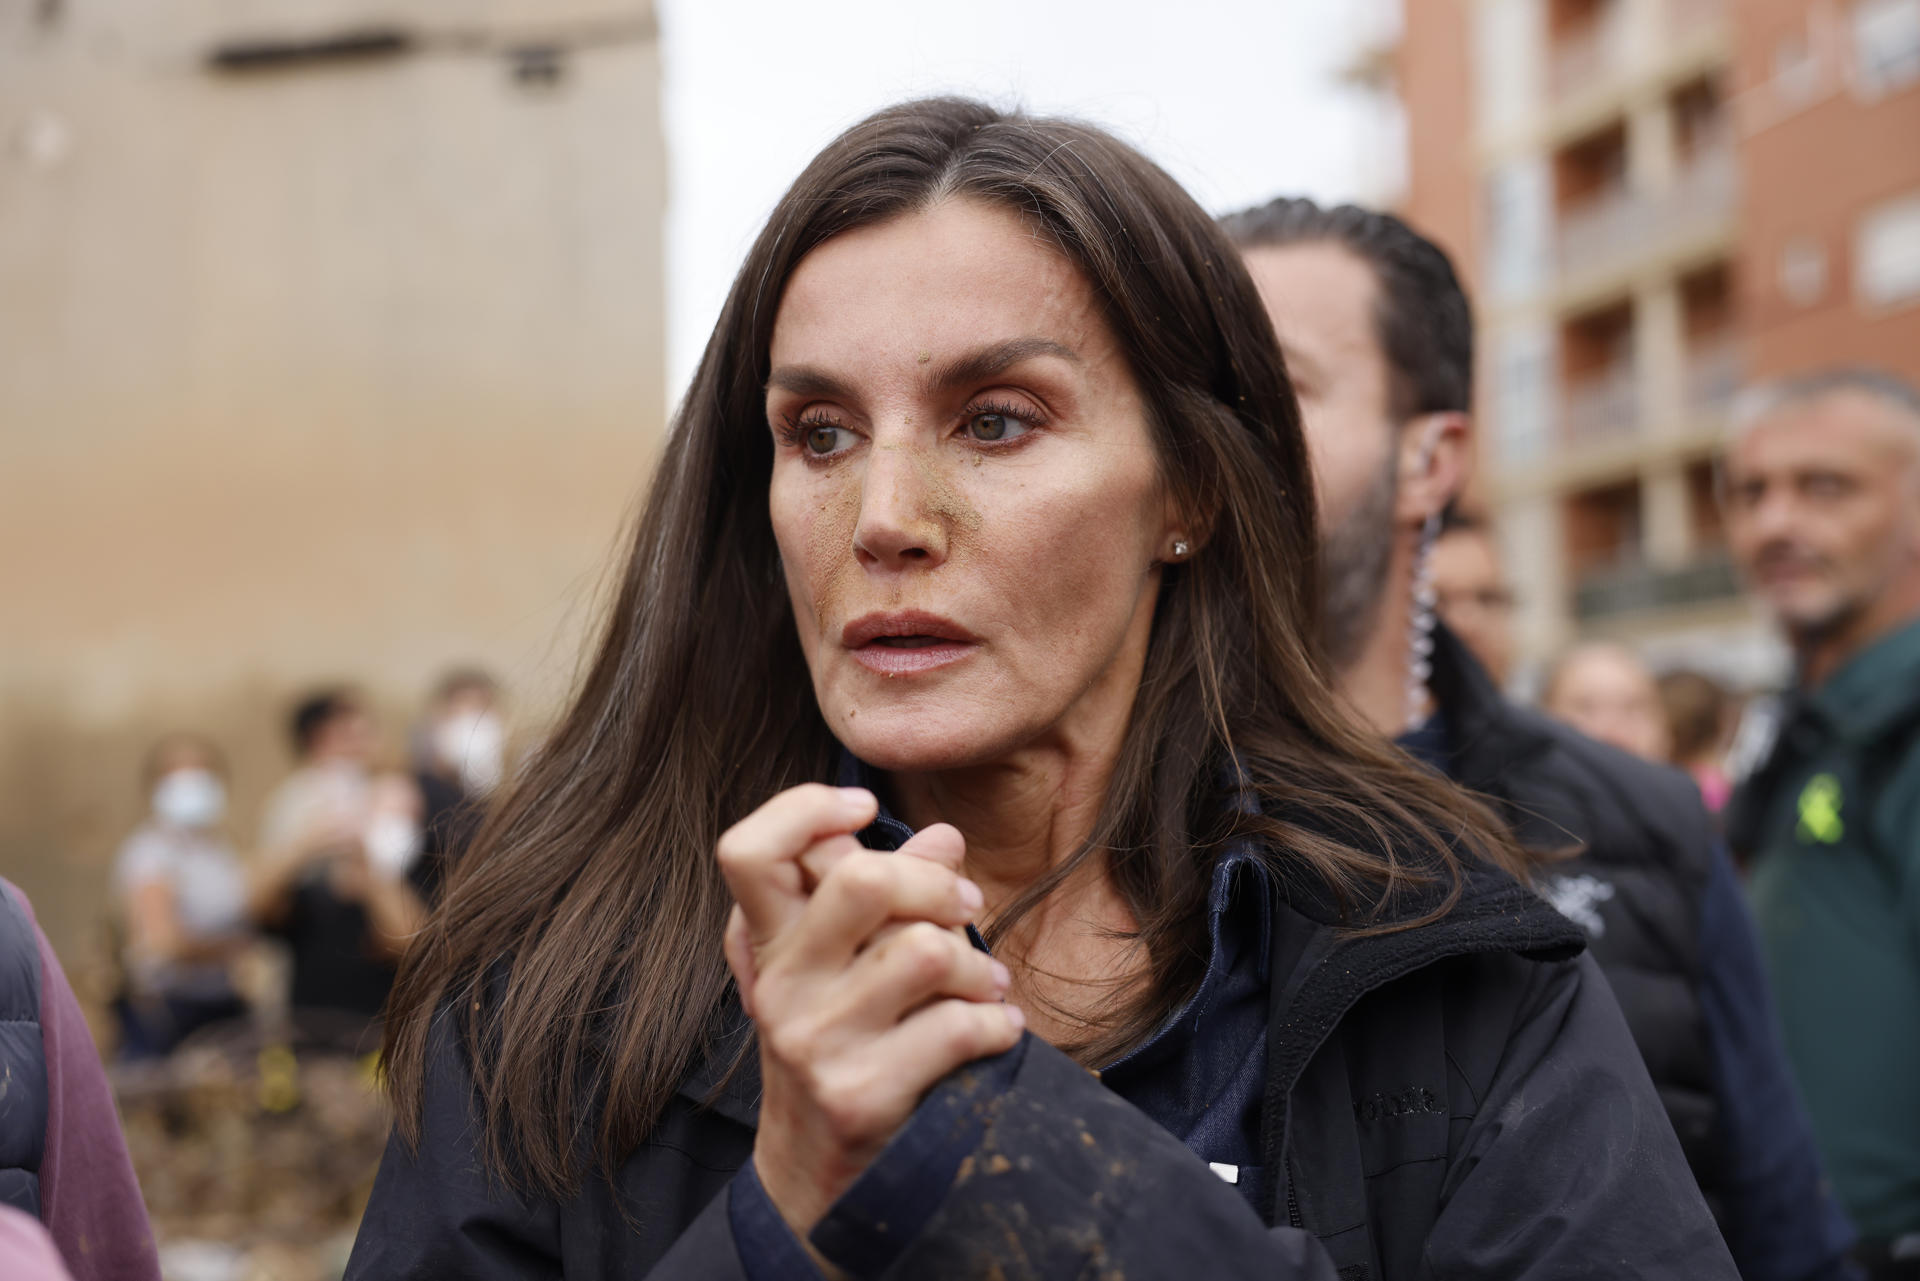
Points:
point(1293, 1198)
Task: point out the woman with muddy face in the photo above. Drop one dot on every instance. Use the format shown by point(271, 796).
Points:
point(958, 727)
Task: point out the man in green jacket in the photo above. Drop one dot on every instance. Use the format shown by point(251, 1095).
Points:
point(1822, 490)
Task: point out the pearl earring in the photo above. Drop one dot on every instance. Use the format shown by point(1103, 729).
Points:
point(1179, 548)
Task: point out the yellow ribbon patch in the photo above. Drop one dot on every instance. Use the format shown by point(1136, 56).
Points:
point(1820, 811)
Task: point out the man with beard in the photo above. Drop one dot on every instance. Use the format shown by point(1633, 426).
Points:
point(1822, 497)
point(1378, 338)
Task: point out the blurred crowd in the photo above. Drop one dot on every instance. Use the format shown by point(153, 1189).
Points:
point(246, 976)
point(305, 930)
point(1606, 689)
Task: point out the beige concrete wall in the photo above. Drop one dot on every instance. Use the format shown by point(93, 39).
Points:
point(338, 372)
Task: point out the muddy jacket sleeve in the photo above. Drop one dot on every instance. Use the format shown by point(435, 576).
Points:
point(1053, 1176)
point(1570, 1120)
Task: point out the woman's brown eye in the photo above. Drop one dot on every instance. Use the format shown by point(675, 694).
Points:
point(821, 440)
point(988, 426)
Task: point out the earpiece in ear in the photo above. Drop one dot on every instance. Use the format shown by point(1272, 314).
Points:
point(1429, 442)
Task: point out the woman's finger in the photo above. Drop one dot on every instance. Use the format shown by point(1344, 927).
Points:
point(952, 1033)
point(760, 855)
point(914, 964)
point(866, 1093)
point(863, 892)
point(822, 858)
point(939, 843)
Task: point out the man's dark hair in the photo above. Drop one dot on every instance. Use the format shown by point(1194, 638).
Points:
point(1422, 318)
point(315, 712)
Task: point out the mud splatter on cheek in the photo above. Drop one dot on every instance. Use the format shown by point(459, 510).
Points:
point(830, 541)
point(944, 498)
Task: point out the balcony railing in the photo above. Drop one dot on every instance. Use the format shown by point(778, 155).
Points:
point(1715, 369)
point(1584, 58)
point(1634, 588)
point(1704, 191)
point(1600, 229)
point(1600, 408)
point(1611, 229)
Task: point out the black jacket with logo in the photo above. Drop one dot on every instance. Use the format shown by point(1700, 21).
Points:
point(1457, 1099)
point(1642, 846)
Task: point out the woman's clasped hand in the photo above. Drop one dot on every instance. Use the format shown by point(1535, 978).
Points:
point(856, 968)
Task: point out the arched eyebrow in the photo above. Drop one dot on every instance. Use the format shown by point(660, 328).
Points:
point(970, 368)
point(980, 366)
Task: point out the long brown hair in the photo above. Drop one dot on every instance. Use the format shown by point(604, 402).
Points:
point(579, 942)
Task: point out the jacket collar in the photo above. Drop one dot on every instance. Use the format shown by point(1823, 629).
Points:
point(1320, 973)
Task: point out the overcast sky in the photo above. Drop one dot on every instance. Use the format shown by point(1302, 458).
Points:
point(1240, 101)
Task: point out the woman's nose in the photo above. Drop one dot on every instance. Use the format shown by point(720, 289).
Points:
point(903, 521)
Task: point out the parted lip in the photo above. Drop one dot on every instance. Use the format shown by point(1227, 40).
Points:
point(907, 622)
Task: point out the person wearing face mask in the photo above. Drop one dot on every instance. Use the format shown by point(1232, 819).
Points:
point(337, 845)
point(182, 898)
point(1378, 337)
point(459, 758)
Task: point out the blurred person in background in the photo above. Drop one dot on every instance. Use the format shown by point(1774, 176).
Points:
point(1700, 716)
point(1607, 692)
point(181, 895)
point(459, 758)
point(1003, 368)
point(336, 846)
point(63, 1158)
point(1471, 592)
point(1821, 485)
point(1378, 337)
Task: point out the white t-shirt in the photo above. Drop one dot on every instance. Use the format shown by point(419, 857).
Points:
point(209, 895)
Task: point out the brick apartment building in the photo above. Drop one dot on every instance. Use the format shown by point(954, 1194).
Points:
point(1657, 202)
